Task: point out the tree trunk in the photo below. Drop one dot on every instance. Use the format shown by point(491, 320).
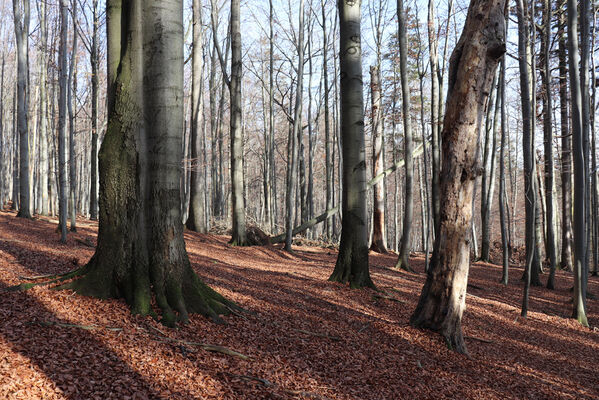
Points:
point(141, 253)
point(43, 159)
point(551, 242)
point(352, 261)
point(3, 163)
point(238, 230)
point(93, 192)
point(403, 260)
point(435, 118)
point(505, 245)
point(62, 123)
point(327, 121)
point(566, 153)
point(579, 222)
point(486, 180)
point(379, 242)
point(196, 220)
point(72, 98)
point(21, 21)
point(471, 70)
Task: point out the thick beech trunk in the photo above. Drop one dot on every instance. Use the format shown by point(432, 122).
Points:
point(141, 253)
point(352, 261)
point(472, 67)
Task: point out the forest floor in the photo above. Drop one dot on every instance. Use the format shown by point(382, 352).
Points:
point(307, 338)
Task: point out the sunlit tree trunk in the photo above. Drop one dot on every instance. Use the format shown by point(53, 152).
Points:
point(196, 220)
point(63, 83)
point(471, 70)
point(403, 261)
point(579, 221)
point(379, 240)
point(21, 14)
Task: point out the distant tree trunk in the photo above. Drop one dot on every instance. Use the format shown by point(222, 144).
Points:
point(271, 120)
point(15, 153)
point(72, 98)
point(505, 244)
point(435, 118)
point(566, 151)
point(43, 171)
point(471, 70)
point(196, 220)
point(379, 236)
point(487, 180)
point(238, 231)
point(21, 13)
point(62, 111)
point(327, 121)
point(352, 261)
point(93, 179)
point(579, 222)
point(530, 193)
point(294, 134)
point(3, 163)
point(548, 145)
point(403, 260)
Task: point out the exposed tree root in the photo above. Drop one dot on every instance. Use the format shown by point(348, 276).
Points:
point(53, 279)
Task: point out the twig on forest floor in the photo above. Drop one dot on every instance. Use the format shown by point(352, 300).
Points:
point(204, 346)
point(265, 382)
point(85, 327)
point(322, 335)
point(479, 339)
point(387, 297)
point(86, 242)
point(268, 383)
point(472, 286)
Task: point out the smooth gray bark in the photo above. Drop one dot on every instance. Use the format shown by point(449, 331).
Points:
point(352, 260)
point(21, 14)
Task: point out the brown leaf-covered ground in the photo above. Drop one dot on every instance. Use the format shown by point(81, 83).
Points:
point(307, 338)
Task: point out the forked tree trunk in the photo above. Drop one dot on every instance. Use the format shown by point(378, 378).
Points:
point(196, 220)
point(379, 236)
point(403, 261)
point(352, 261)
point(141, 253)
point(471, 70)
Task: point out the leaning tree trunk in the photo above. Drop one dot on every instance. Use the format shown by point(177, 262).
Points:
point(579, 222)
point(379, 236)
point(352, 261)
point(196, 221)
point(403, 260)
point(141, 254)
point(21, 22)
point(471, 70)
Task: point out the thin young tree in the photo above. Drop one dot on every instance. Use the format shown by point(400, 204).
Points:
point(579, 221)
point(21, 14)
point(62, 122)
point(196, 220)
point(352, 260)
point(403, 260)
point(71, 106)
point(471, 71)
